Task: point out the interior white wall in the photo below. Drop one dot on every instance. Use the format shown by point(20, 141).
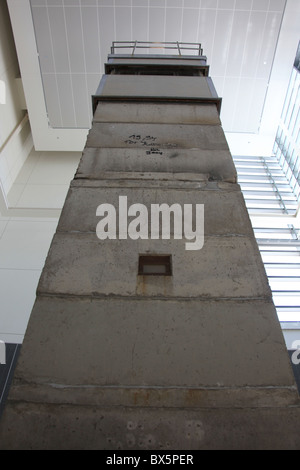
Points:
point(26, 230)
point(44, 137)
point(15, 134)
point(291, 333)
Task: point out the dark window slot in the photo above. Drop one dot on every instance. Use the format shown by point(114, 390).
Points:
point(155, 265)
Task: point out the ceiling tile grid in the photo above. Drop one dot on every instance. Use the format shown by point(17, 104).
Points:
point(73, 39)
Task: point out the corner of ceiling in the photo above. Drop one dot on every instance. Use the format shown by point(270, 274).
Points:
point(45, 138)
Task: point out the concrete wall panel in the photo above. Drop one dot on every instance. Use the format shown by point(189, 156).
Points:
point(162, 343)
point(157, 113)
point(212, 164)
point(224, 211)
point(76, 427)
point(168, 136)
point(155, 86)
point(81, 264)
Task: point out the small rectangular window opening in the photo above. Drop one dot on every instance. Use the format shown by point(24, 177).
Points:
point(155, 265)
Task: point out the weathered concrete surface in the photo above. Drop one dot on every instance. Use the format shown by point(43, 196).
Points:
point(81, 264)
point(157, 396)
point(168, 136)
point(130, 137)
point(156, 86)
point(218, 203)
point(154, 343)
point(80, 427)
point(164, 113)
point(216, 165)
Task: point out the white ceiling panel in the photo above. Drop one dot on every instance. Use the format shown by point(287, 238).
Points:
point(190, 21)
point(237, 44)
point(42, 31)
point(228, 86)
point(253, 46)
point(123, 23)
point(140, 18)
point(173, 29)
point(258, 93)
point(156, 25)
point(260, 5)
point(58, 35)
point(221, 41)
point(91, 39)
point(228, 4)
point(243, 4)
point(73, 38)
point(81, 99)
point(268, 44)
point(106, 22)
point(67, 99)
point(207, 30)
point(53, 106)
point(243, 100)
point(209, 4)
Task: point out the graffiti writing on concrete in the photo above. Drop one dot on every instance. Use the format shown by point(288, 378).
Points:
point(154, 150)
point(146, 141)
point(149, 141)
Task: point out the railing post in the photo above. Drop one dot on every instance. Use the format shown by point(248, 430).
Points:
point(2, 352)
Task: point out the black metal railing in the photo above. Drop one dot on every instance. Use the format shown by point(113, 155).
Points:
point(133, 46)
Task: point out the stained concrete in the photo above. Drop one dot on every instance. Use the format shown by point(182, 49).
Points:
point(207, 164)
point(81, 264)
point(156, 86)
point(142, 342)
point(137, 428)
point(168, 136)
point(218, 202)
point(164, 113)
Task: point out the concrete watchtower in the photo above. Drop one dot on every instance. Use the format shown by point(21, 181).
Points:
point(138, 342)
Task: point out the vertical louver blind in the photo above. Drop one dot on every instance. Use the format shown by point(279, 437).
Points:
point(272, 203)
